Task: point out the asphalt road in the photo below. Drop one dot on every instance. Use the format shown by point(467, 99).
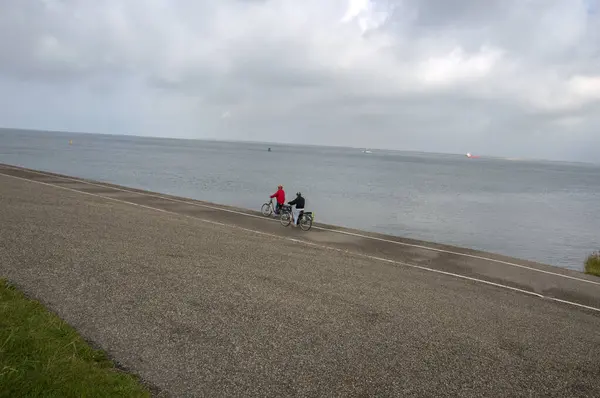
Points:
point(206, 302)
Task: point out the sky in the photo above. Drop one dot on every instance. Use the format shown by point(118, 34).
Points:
point(515, 78)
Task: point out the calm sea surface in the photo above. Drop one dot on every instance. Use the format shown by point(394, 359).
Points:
point(541, 211)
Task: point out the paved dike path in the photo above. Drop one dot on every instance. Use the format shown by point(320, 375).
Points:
point(203, 300)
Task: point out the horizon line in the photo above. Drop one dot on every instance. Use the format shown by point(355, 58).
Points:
point(482, 156)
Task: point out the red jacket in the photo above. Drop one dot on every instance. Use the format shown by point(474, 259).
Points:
point(280, 195)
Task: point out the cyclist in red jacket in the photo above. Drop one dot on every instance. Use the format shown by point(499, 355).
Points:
point(280, 195)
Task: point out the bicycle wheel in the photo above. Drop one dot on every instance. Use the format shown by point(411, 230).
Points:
point(286, 218)
point(266, 209)
point(306, 223)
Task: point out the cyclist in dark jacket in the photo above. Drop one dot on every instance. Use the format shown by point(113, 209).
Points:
point(299, 202)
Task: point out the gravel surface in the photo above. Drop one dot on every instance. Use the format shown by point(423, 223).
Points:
point(203, 310)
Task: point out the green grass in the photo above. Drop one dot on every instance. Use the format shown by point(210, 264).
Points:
point(592, 264)
point(42, 356)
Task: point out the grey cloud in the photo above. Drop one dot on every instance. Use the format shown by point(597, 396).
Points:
point(539, 30)
point(435, 13)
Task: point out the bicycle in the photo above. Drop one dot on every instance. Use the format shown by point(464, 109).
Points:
point(267, 208)
point(305, 218)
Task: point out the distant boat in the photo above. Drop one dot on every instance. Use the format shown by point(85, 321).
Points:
point(366, 151)
point(269, 150)
point(471, 156)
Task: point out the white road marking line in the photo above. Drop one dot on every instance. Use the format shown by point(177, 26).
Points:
point(400, 263)
point(315, 227)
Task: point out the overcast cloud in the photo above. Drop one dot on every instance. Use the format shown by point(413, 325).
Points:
point(499, 77)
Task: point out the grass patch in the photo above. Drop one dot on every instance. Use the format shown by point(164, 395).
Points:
point(40, 355)
point(592, 264)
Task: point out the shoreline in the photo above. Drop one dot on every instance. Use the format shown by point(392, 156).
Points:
point(428, 245)
point(526, 276)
